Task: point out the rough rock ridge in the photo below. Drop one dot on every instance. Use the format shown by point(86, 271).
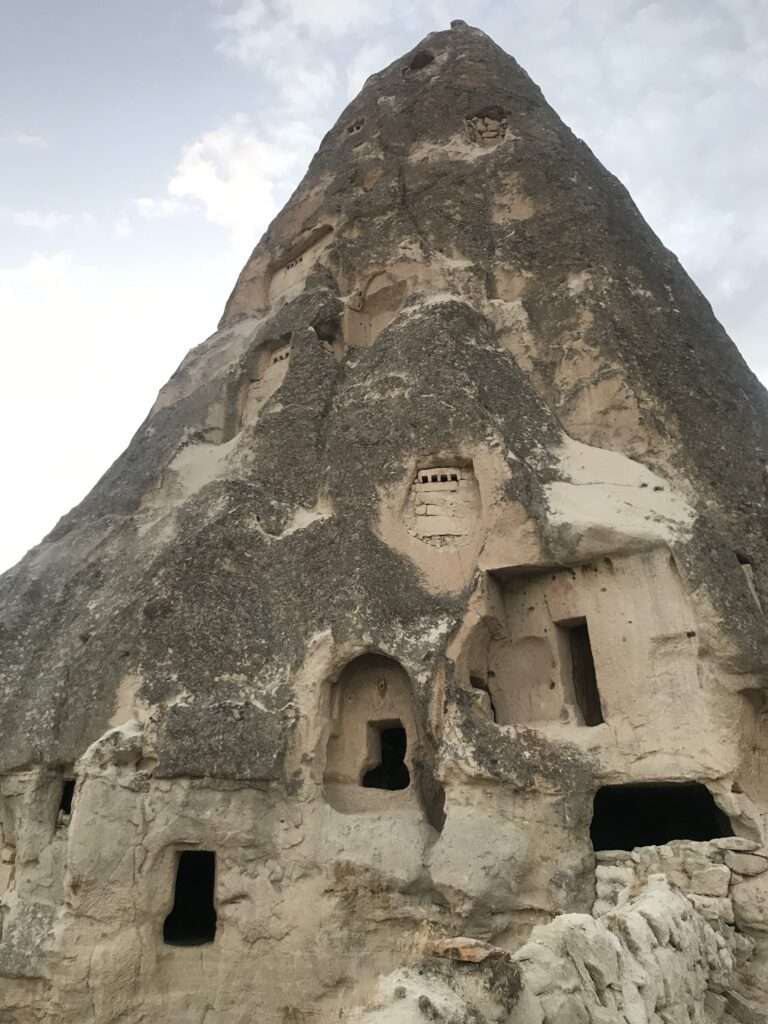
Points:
point(423, 612)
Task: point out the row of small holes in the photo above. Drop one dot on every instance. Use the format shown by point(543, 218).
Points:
point(442, 478)
point(279, 358)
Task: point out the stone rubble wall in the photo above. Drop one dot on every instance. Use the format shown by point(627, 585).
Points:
point(655, 958)
point(725, 879)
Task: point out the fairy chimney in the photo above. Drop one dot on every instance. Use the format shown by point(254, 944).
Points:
point(410, 663)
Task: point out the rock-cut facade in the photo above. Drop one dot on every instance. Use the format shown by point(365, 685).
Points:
point(410, 664)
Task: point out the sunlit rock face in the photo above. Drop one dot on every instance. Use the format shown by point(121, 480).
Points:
point(425, 603)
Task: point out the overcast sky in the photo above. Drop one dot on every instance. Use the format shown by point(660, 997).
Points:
point(145, 145)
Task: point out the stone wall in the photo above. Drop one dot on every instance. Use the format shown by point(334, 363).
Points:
point(654, 959)
point(726, 881)
point(719, 877)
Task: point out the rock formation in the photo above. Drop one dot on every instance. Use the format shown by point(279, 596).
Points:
point(411, 662)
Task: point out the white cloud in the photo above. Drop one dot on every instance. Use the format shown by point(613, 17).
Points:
point(239, 174)
point(37, 220)
point(158, 208)
point(86, 349)
point(25, 139)
point(122, 227)
point(282, 47)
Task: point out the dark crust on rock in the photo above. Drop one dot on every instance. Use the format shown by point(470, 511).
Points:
point(232, 591)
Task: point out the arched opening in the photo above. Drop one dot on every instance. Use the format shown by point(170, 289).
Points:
point(421, 59)
point(373, 735)
point(655, 813)
point(267, 371)
point(192, 921)
point(390, 741)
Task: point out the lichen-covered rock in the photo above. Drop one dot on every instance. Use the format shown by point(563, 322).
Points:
point(437, 569)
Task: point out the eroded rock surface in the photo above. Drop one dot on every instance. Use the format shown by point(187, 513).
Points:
point(422, 618)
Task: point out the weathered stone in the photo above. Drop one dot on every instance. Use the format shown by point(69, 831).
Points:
point(714, 1006)
point(416, 562)
point(619, 857)
point(744, 1010)
point(713, 881)
point(468, 950)
point(750, 902)
point(735, 843)
point(713, 908)
point(746, 863)
point(615, 874)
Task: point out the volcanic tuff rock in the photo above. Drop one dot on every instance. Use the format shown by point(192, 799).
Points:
point(440, 566)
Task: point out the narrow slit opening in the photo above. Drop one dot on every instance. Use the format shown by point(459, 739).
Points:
point(67, 796)
point(583, 675)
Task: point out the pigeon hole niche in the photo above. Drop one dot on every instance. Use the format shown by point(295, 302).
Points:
point(373, 737)
point(370, 309)
point(289, 273)
point(443, 507)
point(264, 372)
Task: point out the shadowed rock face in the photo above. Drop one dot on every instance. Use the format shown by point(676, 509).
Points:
point(462, 411)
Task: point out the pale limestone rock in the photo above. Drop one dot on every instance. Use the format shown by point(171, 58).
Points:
point(746, 863)
point(712, 881)
point(750, 902)
point(736, 843)
point(466, 949)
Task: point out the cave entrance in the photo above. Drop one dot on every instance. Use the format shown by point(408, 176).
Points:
point(652, 814)
point(67, 796)
point(583, 675)
point(389, 742)
point(192, 921)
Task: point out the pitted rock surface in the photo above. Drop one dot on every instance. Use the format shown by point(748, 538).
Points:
point(454, 526)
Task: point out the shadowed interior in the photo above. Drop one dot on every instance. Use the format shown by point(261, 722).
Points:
point(655, 813)
point(392, 771)
point(192, 921)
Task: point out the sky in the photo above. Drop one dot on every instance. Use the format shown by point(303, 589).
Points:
point(145, 146)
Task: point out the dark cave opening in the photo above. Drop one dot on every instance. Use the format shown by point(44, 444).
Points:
point(651, 814)
point(192, 921)
point(391, 772)
point(67, 796)
point(584, 676)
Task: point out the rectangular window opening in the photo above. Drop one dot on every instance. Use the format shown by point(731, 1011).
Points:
point(583, 675)
point(391, 771)
point(67, 796)
point(192, 921)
